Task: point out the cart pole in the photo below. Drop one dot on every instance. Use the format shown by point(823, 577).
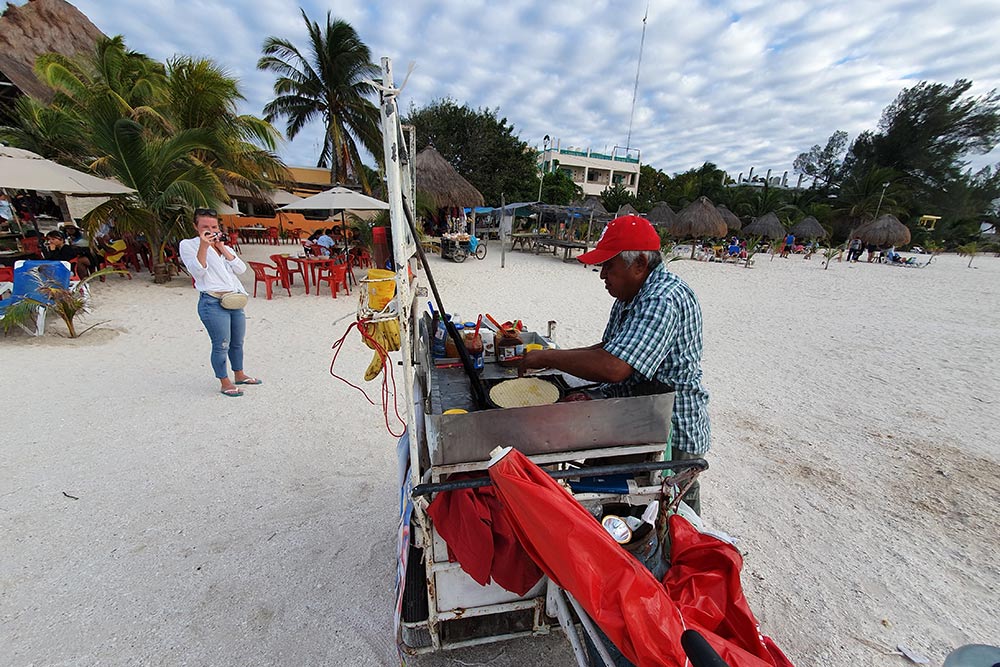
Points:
point(503, 245)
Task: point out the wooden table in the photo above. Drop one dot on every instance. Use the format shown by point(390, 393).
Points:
point(529, 241)
point(567, 247)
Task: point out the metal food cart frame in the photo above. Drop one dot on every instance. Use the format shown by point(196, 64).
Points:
point(438, 606)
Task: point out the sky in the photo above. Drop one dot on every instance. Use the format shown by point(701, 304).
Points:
point(734, 82)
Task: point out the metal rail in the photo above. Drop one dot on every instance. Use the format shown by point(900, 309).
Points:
point(615, 469)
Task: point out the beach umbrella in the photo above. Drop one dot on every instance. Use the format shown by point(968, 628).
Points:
point(24, 170)
point(443, 186)
point(698, 220)
point(592, 203)
point(732, 220)
point(884, 232)
point(336, 198)
point(766, 226)
point(661, 215)
point(808, 228)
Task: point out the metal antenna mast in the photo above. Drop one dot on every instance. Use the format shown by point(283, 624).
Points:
point(635, 89)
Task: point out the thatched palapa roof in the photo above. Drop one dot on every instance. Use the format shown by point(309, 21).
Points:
point(808, 228)
point(767, 226)
point(661, 215)
point(444, 186)
point(627, 209)
point(37, 27)
point(699, 219)
point(884, 232)
point(732, 220)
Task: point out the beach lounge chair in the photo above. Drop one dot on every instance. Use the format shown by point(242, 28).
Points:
point(26, 285)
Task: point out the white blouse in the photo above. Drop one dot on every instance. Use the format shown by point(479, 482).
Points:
point(219, 275)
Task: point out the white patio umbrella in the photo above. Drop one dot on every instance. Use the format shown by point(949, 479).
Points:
point(24, 170)
point(338, 197)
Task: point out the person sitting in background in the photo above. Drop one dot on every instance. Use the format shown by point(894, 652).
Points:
point(326, 240)
point(893, 256)
point(75, 237)
point(6, 211)
point(58, 250)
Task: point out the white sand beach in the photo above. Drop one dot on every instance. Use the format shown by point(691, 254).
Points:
point(855, 458)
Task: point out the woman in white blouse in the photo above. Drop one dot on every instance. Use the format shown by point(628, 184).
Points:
point(215, 267)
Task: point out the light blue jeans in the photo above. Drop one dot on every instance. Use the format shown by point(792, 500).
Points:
point(226, 328)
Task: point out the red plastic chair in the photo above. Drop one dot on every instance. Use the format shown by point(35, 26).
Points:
point(316, 250)
point(234, 241)
point(272, 236)
point(281, 261)
point(6, 274)
point(337, 277)
point(261, 275)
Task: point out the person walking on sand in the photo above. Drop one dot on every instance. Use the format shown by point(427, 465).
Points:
point(214, 267)
point(789, 246)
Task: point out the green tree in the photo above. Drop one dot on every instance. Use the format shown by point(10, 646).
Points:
point(558, 188)
point(654, 186)
point(330, 82)
point(481, 146)
point(969, 250)
point(823, 164)
point(169, 132)
point(928, 131)
point(615, 196)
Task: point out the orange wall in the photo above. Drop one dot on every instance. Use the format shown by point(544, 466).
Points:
point(286, 221)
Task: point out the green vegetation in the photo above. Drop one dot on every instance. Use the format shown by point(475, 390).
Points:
point(481, 146)
point(66, 302)
point(169, 131)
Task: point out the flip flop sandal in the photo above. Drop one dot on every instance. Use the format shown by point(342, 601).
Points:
point(249, 381)
point(232, 393)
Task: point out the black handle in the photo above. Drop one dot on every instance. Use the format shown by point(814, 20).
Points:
point(699, 651)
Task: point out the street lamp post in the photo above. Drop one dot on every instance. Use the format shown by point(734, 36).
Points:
point(541, 177)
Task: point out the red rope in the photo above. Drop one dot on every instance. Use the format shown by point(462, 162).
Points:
point(387, 375)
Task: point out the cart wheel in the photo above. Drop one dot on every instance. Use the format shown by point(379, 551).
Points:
point(460, 256)
point(481, 250)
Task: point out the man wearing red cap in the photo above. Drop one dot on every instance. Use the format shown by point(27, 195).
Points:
point(652, 343)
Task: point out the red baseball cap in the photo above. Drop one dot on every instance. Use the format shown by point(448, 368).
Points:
point(629, 232)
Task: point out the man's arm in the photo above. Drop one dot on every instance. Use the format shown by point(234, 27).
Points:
point(589, 363)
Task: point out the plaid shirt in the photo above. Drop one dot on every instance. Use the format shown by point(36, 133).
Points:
point(658, 334)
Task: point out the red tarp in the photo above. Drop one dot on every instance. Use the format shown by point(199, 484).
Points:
point(633, 609)
point(480, 537)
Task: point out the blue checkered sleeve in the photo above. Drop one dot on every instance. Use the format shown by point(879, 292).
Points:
point(643, 338)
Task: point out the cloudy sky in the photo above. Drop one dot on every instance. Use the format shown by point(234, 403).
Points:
point(736, 82)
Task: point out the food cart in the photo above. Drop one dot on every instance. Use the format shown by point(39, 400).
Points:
point(608, 450)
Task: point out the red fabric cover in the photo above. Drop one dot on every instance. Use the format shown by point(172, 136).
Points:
point(574, 551)
point(633, 609)
point(481, 538)
point(704, 581)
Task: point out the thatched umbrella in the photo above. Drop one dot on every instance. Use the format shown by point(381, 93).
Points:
point(661, 215)
point(732, 221)
point(594, 203)
point(699, 219)
point(442, 185)
point(808, 228)
point(627, 209)
point(884, 232)
point(766, 226)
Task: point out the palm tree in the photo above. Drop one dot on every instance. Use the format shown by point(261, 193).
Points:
point(970, 250)
point(331, 83)
point(171, 133)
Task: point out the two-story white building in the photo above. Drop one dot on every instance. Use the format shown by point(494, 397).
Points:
point(591, 170)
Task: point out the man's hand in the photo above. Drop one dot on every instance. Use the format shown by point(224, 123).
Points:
point(531, 360)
